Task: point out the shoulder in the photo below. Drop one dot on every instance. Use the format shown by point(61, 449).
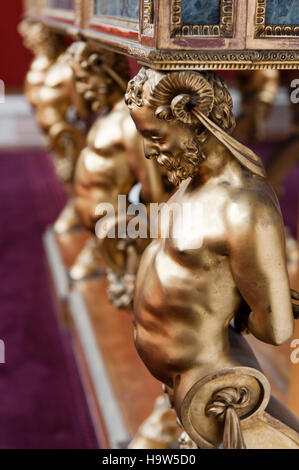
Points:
point(114, 130)
point(40, 64)
point(121, 116)
point(252, 207)
point(101, 137)
point(58, 74)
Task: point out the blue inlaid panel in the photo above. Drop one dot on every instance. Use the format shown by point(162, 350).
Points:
point(282, 12)
point(119, 8)
point(61, 4)
point(200, 12)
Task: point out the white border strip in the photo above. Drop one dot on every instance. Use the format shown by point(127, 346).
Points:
point(112, 415)
point(57, 267)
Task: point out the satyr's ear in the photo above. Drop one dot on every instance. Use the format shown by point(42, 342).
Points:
point(94, 59)
point(177, 94)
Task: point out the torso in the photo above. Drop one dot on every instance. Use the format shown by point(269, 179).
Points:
point(35, 79)
point(185, 289)
point(103, 171)
point(54, 96)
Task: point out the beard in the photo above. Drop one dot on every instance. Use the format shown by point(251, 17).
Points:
point(98, 104)
point(187, 165)
point(96, 97)
point(97, 100)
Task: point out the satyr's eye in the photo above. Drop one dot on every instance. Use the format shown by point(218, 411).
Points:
point(151, 135)
point(157, 138)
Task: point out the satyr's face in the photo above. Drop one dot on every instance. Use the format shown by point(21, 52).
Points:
point(171, 143)
point(91, 82)
point(35, 38)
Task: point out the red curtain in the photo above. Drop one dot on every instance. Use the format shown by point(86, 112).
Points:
point(14, 58)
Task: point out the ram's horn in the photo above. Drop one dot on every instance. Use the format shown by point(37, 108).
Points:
point(184, 91)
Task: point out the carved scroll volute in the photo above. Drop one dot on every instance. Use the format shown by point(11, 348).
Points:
point(214, 409)
point(224, 407)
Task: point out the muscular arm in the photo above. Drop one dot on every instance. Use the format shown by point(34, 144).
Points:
point(259, 269)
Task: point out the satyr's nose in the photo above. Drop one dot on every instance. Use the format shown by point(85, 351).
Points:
point(150, 150)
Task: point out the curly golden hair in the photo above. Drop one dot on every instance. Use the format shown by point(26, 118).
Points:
point(205, 90)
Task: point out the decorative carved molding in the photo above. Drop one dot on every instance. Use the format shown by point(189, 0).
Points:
point(231, 60)
point(262, 30)
point(224, 29)
point(148, 17)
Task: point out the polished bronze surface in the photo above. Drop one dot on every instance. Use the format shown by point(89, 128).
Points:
point(188, 289)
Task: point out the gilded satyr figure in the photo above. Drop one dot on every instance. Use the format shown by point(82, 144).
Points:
point(46, 47)
point(49, 89)
point(109, 166)
point(226, 262)
point(104, 168)
point(58, 113)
